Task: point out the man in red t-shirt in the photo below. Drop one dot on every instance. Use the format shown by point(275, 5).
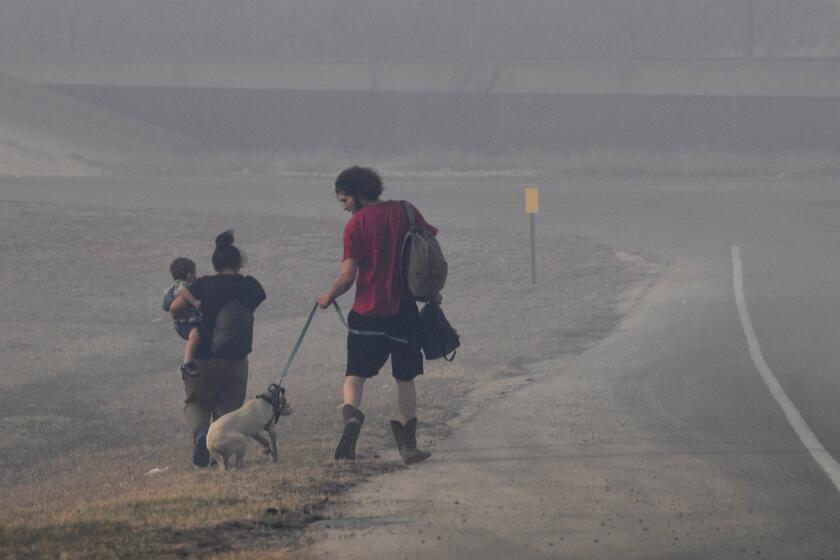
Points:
point(384, 320)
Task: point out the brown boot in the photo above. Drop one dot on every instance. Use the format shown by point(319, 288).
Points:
point(407, 442)
point(353, 420)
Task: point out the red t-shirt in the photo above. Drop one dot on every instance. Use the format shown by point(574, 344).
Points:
point(373, 238)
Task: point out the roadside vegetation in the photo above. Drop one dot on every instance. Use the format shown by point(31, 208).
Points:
point(186, 514)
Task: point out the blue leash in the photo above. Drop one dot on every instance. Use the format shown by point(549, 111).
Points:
point(343, 322)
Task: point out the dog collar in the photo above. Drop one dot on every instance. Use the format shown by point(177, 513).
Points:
point(266, 399)
point(278, 410)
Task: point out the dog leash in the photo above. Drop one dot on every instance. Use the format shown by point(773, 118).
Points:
point(343, 322)
point(297, 344)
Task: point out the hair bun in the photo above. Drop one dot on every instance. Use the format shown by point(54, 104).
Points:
point(225, 239)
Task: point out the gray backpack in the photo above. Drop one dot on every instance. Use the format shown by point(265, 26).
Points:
point(423, 270)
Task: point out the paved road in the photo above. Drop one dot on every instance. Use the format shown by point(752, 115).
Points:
point(661, 442)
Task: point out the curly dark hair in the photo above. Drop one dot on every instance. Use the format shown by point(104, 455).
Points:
point(362, 183)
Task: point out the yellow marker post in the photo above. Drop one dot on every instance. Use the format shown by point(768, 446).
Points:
point(532, 206)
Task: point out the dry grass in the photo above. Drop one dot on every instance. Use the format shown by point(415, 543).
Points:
point(187, 514)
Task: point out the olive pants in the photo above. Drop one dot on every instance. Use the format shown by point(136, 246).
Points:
point(218, 388)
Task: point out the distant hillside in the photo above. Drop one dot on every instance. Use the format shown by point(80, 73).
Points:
point(43, 132)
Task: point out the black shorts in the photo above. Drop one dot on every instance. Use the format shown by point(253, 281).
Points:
point(366, 354)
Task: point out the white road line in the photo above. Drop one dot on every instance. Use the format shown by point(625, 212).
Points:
point(808, 438)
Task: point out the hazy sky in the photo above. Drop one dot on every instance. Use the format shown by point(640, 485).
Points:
point(200, 29)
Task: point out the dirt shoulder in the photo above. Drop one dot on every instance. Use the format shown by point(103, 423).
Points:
point(90, 397)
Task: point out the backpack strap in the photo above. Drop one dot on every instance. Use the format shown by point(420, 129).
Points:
point(412, 224)
point(409, 212)
point(365, 333)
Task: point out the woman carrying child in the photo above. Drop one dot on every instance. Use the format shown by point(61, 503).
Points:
point(218, 384)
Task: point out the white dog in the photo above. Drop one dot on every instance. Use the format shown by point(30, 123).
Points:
point(227, 436)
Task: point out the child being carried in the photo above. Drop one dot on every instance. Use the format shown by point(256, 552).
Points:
point(186, 324)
